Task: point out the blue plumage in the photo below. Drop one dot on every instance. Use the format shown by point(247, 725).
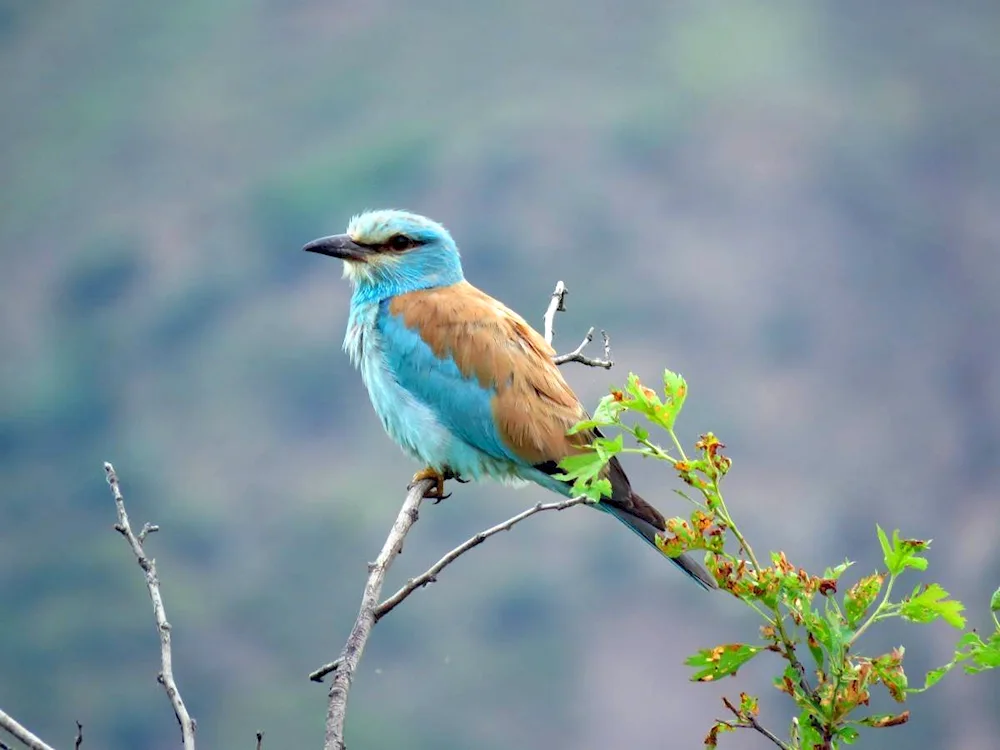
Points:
point(461, 403)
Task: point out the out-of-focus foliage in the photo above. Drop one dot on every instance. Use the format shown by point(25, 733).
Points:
point(794, 204)
point(797, 607)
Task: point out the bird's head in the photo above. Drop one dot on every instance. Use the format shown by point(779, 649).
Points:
point(393, 252)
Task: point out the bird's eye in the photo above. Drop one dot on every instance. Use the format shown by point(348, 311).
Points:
point(399, 242)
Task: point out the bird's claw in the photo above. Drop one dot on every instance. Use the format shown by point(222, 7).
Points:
point(436, 491)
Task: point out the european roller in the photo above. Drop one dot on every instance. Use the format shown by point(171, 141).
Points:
point(461, 382)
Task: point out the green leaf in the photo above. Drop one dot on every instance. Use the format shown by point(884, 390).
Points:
point(587, 424)
point(813, 642)
point(934, 676)
point(848, 734)
point(675, 388)
point(598, 489)
point(984, 655)
point(674, 385)
point(902, 553)
point(860, 597)
point(640, 432)
point(818, 627)
point(607, 448)
point(836, 572)
point(809, 736)
point(995, 601)
point(930, 604)
point(970, 647)
point(587, 464)
point(713, 663)
point(584, 469)
point(886, 547)
point(607, 410)
point(839, 633)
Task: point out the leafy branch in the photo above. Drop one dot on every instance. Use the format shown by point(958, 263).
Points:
point(797, 608)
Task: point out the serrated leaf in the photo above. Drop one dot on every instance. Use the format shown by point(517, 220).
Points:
point(984, 655)
point(930, 604)
point(674, 385)
point(713, 663)
point(583, 470)
point(582, 465)
point(861, 596)
point(607, 410)
point(675, 389)
point(900, 554)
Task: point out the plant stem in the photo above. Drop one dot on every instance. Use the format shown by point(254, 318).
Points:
point(877, 614)
point(677, 444)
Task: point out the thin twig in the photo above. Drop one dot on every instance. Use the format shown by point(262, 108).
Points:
point(317, 675)
point(351, 654)
point(430, 576)
point(556, 304)
point(746, 720)
point(79, 736)
point(166, 676)
point(20, 733)
point(577, 354)
point(260, 740)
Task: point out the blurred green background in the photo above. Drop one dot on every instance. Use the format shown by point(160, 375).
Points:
point(793, 204)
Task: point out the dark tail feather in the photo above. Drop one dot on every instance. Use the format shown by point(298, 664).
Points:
point(646, 521)
point(639, 516)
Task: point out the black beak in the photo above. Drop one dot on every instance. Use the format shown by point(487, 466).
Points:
point(339, 246)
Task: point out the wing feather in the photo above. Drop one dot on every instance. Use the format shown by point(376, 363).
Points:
point(529, 407)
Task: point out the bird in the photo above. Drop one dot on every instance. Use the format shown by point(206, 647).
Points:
point(461, 382)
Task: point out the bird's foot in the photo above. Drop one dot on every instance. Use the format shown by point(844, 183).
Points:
point(436, 491)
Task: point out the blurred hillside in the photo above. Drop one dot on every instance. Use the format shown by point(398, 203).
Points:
point(794, 205)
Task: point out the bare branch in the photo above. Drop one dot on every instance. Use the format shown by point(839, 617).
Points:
point(79, 736)
point(20, 733)
point(577, 354)
point(430, 576)
point(558, 304)
point(260, 740)
point(351, 654)
point(166, 676)
point(746, 720)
